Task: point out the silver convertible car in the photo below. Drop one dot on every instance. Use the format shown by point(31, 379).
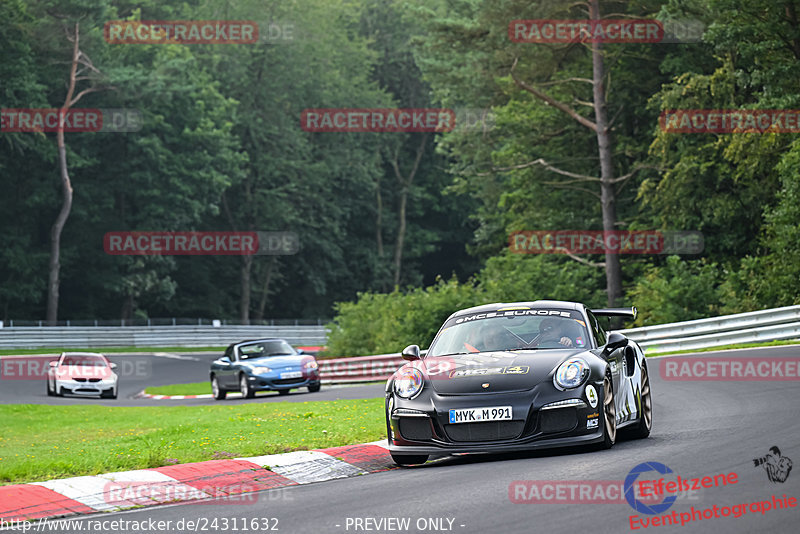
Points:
point(263, 365)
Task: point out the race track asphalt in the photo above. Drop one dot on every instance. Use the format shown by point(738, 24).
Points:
point(138, 371)
point(701, 428)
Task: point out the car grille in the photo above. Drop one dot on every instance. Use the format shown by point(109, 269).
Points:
point(558, 420)
point(93, 380)
point(284, 381)
point(487, 431)
point(416, 428)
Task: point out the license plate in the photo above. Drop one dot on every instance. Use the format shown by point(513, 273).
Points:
point(475, 415)
point(292, 374)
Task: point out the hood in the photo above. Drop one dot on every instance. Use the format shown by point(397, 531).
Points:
point(503, 371)
point(83, 371)
point(277, 362)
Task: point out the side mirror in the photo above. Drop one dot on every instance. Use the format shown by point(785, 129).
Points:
point(112, 365)
point(225, 359)
point(615, 341)
point(300, 351)
point(54, 363)
point(410, 353)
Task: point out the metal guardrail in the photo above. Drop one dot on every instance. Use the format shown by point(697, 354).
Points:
point(359, 369)
point(25, 337)
point(751, 327)
point(758, 326)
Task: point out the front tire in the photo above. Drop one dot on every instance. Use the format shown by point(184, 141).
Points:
point(245, 389)
point(219, 393)
point(609, 414)
point(409, 459)
point(314, 389)
point(50, 392)
point(283, 392)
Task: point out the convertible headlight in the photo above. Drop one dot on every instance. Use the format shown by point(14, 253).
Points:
point(260, 370)
point(408, 382)
point(311, 365)
point(571, 373)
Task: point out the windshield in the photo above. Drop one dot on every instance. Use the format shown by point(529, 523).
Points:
point(84, 361)
point(511, 330)
point(266, 348)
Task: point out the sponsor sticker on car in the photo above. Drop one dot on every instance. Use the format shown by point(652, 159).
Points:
point(515, 370)
point(473, 415)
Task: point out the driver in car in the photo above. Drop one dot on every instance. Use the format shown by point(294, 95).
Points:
point(555, 331)
point(487, 336)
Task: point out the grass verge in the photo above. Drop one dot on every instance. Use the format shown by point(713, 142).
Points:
point(727, 347)
point(41, 442)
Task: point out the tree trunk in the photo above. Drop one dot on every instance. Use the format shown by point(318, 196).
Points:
point(405, 188)
point(401, 234)
point(54, 273)
point(262, 303)
point(244, 283)
point(379, 218)
point(607, 193)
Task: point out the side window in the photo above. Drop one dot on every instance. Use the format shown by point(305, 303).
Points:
point(597, 330)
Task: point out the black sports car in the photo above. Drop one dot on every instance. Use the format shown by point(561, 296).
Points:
point(518, 376)
point(263, 365)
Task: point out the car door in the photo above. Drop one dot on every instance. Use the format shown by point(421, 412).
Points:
point(615, 361)
point(225, 369)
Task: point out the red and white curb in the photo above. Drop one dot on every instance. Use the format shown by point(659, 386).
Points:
point(215, 480)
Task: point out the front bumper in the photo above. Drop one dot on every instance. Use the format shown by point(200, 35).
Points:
point(422, 425)
point(273, 382)
point(73, 387)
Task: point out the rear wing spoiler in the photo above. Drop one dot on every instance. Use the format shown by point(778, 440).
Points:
point(616, 312)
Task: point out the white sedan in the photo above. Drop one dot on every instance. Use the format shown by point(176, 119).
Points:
point(82, 373)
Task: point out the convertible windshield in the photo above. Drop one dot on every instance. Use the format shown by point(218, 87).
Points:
point(511, 330)
point(265, 348)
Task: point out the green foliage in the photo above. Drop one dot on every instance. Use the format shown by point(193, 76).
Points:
point(382, 323)
point(680, 290)
point(379, 323)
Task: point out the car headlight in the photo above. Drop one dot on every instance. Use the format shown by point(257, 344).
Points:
point(260, 370)
point(311, 365)
point(571, 373)
point(408, 382)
